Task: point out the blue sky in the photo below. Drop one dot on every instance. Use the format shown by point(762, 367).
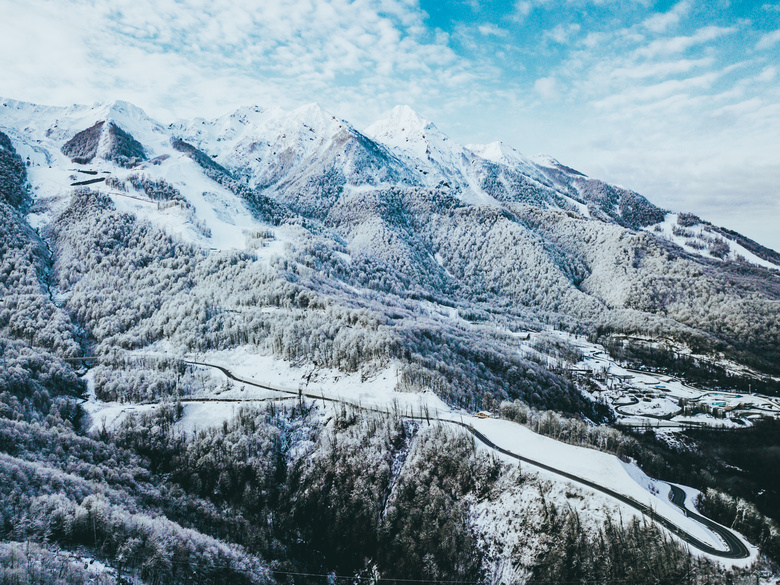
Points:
point(677, 100)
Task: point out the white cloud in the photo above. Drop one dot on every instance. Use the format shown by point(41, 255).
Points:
point(562, 33)
point(768, 40)
point(198, 56)
point(594, 39)
point(654, 93)
point(660, 22)
point(522, 9)
point(769, 74)
point(658, 69)
point(491, 30)
point(673, 45)
point(546, 87)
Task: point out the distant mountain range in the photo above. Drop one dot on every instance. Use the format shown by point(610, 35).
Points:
point(404, 213)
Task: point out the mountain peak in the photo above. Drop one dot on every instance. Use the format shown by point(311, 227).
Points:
point(123, 106)
point(405, 129)
point(123, 113)
point(314, 116)
point(312, 108)
point(401, 120)
point(497, 152)
point(546, 161)
point(404, 114)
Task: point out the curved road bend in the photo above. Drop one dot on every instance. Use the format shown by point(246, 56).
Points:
point(736, 549)
point(677, 497)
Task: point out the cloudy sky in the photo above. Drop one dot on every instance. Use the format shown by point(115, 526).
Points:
point(677, 100)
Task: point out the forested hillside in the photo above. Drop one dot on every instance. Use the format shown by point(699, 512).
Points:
point(392, 260)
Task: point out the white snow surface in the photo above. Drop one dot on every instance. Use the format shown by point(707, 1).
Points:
point(497, 152)
point(595, 466)
point(420, 144)
point(220, 219)
point(375, 389)
point(545, 160)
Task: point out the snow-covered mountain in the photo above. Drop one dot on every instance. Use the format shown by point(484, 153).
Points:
point(308, 155)
point(439, 160)
point(390, 221)
point(302, 157)
point(434, 217)
point(392, 270)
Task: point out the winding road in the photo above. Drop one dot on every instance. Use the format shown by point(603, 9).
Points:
point(677, 497)
point(735, 547)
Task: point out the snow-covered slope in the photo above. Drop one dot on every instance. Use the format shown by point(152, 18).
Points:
point(437, 158)
point(399, 208)
point(503, 154)
point(703, 239)
point(265, 143)
point(304, 157)
point(496, 174)
point(212, 216)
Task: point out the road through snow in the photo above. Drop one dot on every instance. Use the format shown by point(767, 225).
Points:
point(492, 433)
